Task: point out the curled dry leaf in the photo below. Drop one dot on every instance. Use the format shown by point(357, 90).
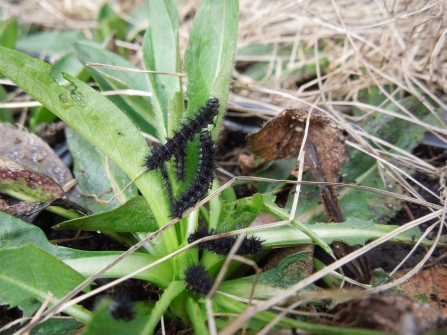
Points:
point(431, 283)
point(26, 184)
point(282, 137)
point(394, 313)
point(33, 153)
point(247, 163)
point(28, 210)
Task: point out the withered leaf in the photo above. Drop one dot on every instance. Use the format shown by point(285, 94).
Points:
point(24, 183)
point(32, 152)
point(282, 137)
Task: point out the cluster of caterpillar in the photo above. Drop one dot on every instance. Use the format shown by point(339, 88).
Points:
point(222, 246)
point(176, 146)
point(202, 180)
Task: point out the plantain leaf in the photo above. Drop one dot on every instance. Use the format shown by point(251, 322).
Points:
point(103, 322)
point(353, 231)
point(24, 183)
point(239, 214)
point(133, 216)
point(49, 43)
point(162, 53)
point(8, 32)
point(288, 272)
point(57, 327)
point(209, 58)
point(16, 233)
point(97, 175)
point(95, 118)
point(70, 64)
point(137, 108)
point(29, 272)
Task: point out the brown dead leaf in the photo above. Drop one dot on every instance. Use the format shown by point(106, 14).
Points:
point(394, 313)
point(430, 282)
point(28, 210)
point(248, 163)
point(32, 152)
point(282, 137)
point(51, 133)
point(26, 184)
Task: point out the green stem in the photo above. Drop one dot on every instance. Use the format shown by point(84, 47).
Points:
point(196, 316)
point(171, 292)
point(330, 280)
point(283, 215)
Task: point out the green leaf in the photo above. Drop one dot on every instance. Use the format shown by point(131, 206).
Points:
point(40, 115)
point(161, 52)
point(371, 96)
point(29, 272)
point(362, 168)
point(309, 202)
point(95, 118)
point(137, 108)
point(353, 232)
point(110, 24)
point(140, 18)
point(50, 43)
point(29, 307)
point(268, 72)
point(197, 316)
point(16, 233)
point(171, 292)
point(90, 262)
point(27, 184)
point(102, 322)
point(57, 327)
point(278, 169)
point(97, 175)
point(70, 64)
point(5, 113)
point(133, 216)
point(8, 32)
point(209, 58)
point(239, 214)
point(283, 214)
point(272, 282)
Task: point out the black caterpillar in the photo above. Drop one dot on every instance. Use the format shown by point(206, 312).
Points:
point(197, 279)
point(178, 142)
point(222, 246)
point(203, 178)
point(180, 164)
point(121, 308)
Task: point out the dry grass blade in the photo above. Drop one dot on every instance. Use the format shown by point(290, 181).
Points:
point(120, 68)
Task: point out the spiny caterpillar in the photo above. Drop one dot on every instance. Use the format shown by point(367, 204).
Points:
point(197, 279)
point(121, 308)
point(222, 246)
point(178, 142)
point(202, 180)
point(180, 157)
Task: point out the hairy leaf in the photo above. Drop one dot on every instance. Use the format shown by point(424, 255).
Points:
point(29, 272)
